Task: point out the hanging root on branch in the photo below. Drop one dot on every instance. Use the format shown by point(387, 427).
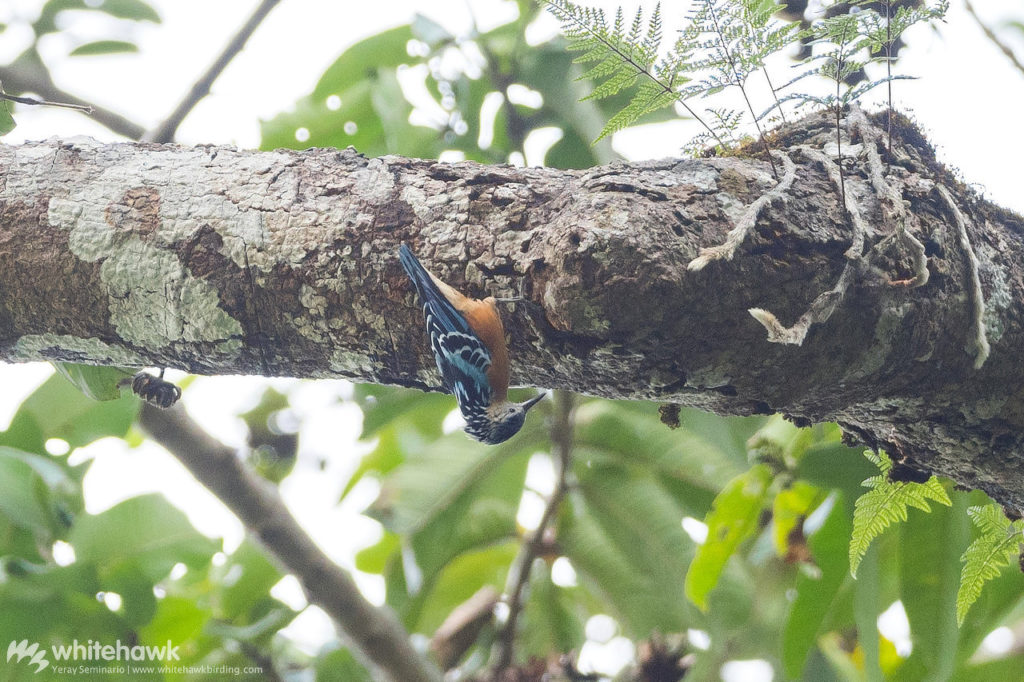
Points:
point(894, 209)
point(826, 302)
point(745, 225)
point(979, 343)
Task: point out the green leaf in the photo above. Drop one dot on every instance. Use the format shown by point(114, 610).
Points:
point(621, 530)
point(97, 382)
point(104, 47)
point(57, 409)
point(986, 557)
point(147, 530)
point(360, 61)
point(429, 31)
point(833, 465)
point(138, 603)
point(386, 456)
point(7, 123)
point(339, 665)
point(690, 462)
point(816, 592)
point(460, 579)
point(252, 575)
point(446, 498)
point(866, 607)
point(733, 518)
point(478, 509)
point(177, 618)
point(261, 629)
point(429, 481)
point(553, 616)
point(929, 573)
point(626, 543)
point(372, 124)
point(374, 559)
point(789, 510)
point(887, 503)
point(386, 405)
point(24, 498)
point(136, 10)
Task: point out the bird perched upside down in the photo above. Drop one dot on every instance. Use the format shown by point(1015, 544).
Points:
point(468, 341)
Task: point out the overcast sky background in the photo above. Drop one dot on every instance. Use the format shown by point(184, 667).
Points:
point(968, 99)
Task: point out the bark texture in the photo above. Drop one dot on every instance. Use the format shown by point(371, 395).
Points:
point(219, 261)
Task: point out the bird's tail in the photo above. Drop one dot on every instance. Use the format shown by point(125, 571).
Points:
point(417, 273)
point(434, 302)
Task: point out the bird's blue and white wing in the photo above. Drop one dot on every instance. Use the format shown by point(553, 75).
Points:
point(461, 356)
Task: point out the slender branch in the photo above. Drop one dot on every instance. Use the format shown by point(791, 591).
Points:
point(775, 94)
point(888, 71)
point(994, 38)
point(376, 631)
point(263, 660)
point(16, 79)
point(519, 572)
point(44, 103)
point(166, 130)
point(839, 110)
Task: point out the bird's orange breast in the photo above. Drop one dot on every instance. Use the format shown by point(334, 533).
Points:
point(484, 319)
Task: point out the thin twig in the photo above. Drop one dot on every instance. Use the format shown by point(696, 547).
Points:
point(519, 572)
point(888, 70)
point(18, 79)
point(166, 130)
point(376, 631)
point(994, 38)
point(775, 94)
point(839, 111)
point(86, 108)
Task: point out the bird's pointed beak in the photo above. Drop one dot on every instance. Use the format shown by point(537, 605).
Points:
point(533, 401)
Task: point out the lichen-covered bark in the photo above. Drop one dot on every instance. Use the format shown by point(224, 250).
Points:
point(221, 261)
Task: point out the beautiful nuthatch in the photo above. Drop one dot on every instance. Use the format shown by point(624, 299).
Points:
point(468, 341)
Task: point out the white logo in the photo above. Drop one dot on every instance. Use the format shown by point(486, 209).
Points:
point(31, 651)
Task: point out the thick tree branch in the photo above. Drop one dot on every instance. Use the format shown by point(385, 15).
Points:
point(218, 261)
point(166, 130)
point(376, 631)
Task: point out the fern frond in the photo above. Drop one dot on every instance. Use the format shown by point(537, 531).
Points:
point(615, 84)
point(649, 97)
point(887, 503)
point(625, 59)
point(878, 32)
point(986, 557)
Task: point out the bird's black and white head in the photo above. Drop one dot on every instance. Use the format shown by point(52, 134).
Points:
point(501, 421)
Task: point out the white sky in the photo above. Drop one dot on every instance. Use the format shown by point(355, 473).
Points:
point(969, 100)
